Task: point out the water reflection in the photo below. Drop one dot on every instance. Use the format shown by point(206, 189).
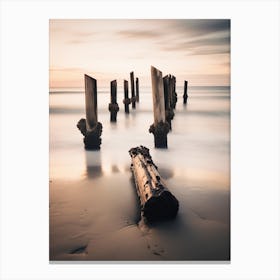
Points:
point(127, 122)
point(115, 169)
point(93, 164)
point(166, 173)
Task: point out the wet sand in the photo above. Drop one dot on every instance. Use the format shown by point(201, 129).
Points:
point(100, 220)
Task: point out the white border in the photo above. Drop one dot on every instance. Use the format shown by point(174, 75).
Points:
point(254, 130)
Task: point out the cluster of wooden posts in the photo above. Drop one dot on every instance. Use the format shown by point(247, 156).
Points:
point(114, 107)
point(156, 200)
point(164, 104)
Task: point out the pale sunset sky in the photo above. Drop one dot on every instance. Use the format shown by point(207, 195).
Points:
point(194, 50)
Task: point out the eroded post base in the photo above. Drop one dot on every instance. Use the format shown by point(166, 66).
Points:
point(92, 138)
point(113, 108)
point(160, 132)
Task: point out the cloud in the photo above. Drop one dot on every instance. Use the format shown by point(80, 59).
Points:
point(213, 43)
point(207, 51)
point(140, 34)
point(194, 37)
point(200, 27)
point(80, 37)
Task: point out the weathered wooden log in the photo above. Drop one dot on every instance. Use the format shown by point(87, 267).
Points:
point(185, 96)
point(113, 106)
point(137, 89)
point(133, 97)
point(126, 100)
point(157, 202)
point(169, 113)
point(160, 127)
point(90, 127)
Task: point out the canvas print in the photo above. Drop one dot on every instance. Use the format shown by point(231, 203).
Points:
point(139, 140)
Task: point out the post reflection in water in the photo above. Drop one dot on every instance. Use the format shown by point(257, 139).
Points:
point(93, 164)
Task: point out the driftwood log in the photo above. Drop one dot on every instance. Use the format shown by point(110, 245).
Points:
point(157, 202)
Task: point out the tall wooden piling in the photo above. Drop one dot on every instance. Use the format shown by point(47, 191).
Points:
point(133, 97)
point(126, 100)
point(113, 106)
point(90, 127)
point(137, 89)
point(185, 96)
point(160, 127)
point(91, 101)
point(173, 91)
point(169, 114)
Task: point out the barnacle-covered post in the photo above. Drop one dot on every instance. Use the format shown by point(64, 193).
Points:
point(160, 127)
point(126, 100)
point(137, 89)
point(185, 96)
point(169, 114)
point(133, 97)
point(157, 202)
point(113, 106)
point(90, 127)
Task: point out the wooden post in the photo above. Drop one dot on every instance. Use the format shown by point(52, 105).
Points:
point(160, 127)
point(126, 100)
point(133, 98)
point(137, 90)
point(91, 101)
point(90, 127)
point(113, 106)
point(169, 114)
point(173, 92)
point(157, 202)
point(185, 96)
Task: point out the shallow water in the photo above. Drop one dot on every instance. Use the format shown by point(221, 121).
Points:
point(94, 211)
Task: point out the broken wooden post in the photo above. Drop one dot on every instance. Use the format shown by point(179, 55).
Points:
point(160, 127)
point(137, 90)
point(126, 100)
point(169, 114)
point(90, 127)
point(173, 92)
point(133, 98)
point(113, 106)
point(157, 202)
point(185, 96)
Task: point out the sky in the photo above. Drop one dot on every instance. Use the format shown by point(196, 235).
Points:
point(197, 50)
